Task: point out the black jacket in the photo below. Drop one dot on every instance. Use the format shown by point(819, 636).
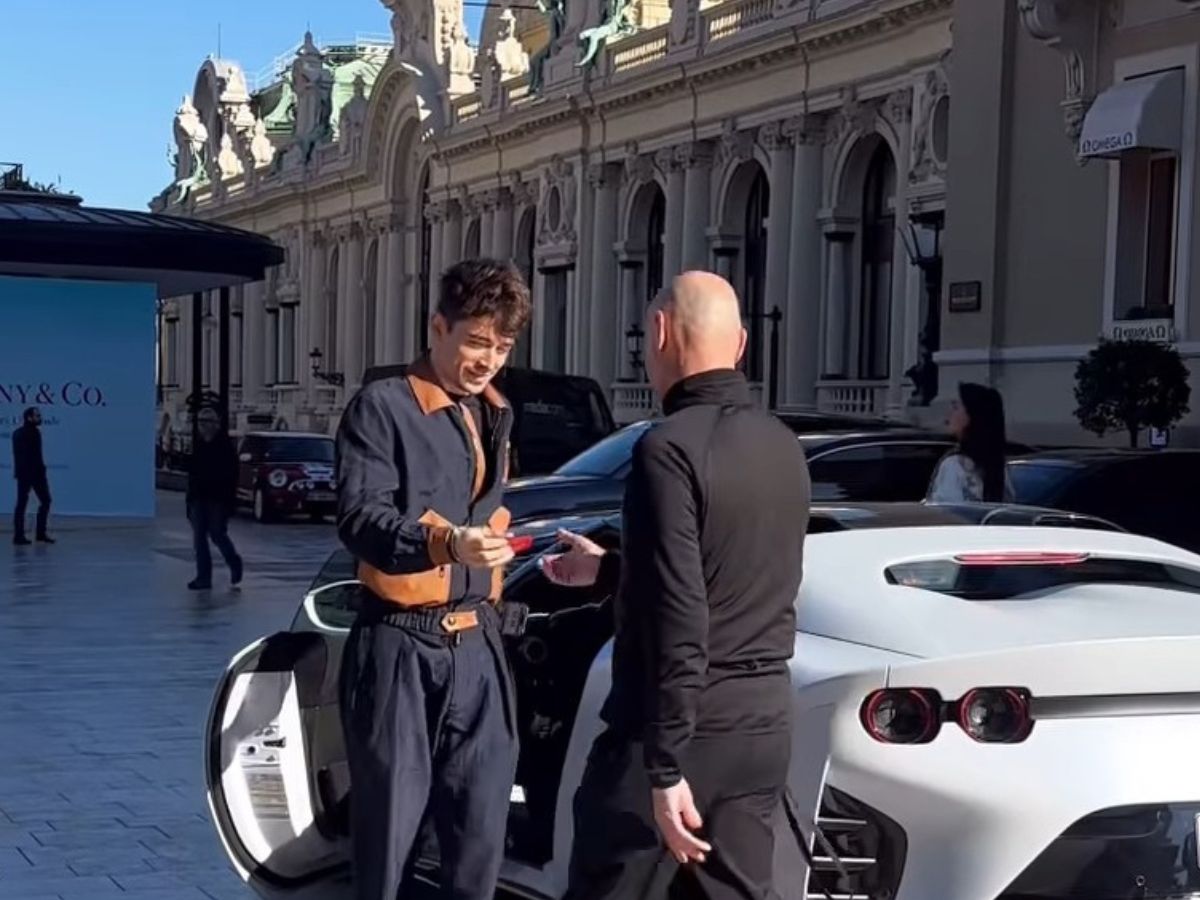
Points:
point(213, 472)
point(28, 464)
point(408, 469)
point(714, 519)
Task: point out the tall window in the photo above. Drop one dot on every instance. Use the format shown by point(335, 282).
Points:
point(656, 229)
point(878, 241)
point(755, 273)
point(1145, 271)
point(171, 351)
point(471, 244)
point(236, 348)
point(285, 323)
point(329, 364)
point(554, 352)
point(371, 306)
point(425, 277)
point(272, 360)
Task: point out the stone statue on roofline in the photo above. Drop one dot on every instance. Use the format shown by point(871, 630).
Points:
point(191, 149)
point(353, 119)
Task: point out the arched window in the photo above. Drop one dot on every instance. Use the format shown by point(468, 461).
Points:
point(656, 229)
point(879, 225)
point(471, 244)
point(424, 276)
point(330, 363)
point(754, 273)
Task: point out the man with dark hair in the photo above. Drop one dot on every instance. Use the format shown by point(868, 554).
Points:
point(29, 468)
point(428, 710)
point(211, 497)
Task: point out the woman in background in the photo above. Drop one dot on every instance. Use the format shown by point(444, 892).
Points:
point(975, 470)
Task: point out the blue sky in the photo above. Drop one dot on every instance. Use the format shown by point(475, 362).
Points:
point(90, 86)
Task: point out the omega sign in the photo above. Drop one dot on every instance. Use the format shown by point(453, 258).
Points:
point(69, 393)
point(1108, 144)
point(1161, 331)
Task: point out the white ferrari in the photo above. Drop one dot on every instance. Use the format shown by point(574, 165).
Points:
point(990, 703)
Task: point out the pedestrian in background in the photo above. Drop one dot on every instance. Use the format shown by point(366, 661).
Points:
point(211, 498)
point(976, 470)
point(29, 468)
point(693, 763)
point(427, 702)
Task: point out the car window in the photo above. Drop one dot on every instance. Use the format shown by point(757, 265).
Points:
point(298, 450)
point(338, 567)
point(1039, 483)
point(336, 605)
point(882, 473)
point(1154, 495)
point(607, 457)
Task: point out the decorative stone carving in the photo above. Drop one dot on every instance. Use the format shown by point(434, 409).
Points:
point(666, 160)
point(460, 61)
point(684, 16)
point(191, 139)
point(855, 117)
point(925, 161)
point(556, 214)
point(261, 148)
point(353, 119)
point(734, 145)
point(436, 211)
point(695, 155)
point(805, 129)
point(524, 193)
point(228, 163)
point(897, 108)
point(600, 175)
point(775, 136)
point(1070, 27)
point(312, 84)
point(508, 52)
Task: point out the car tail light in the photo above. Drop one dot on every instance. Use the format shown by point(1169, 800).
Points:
point(996, 715)
point(1020, 558)
point(902, 715)
point(521, 544)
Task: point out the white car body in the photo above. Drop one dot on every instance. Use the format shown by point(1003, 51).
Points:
point(1113, 670)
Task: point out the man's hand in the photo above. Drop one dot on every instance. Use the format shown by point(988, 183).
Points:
point(676, 815)
point(579, 566)
point(479, 548)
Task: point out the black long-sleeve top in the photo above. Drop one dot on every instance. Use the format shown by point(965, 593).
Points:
point(28, 464)
point(213, 471)
point(715, 513)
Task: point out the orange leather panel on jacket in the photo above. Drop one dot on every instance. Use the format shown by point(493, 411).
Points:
point(428, 588)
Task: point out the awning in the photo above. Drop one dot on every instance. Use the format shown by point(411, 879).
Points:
point(1143, 113)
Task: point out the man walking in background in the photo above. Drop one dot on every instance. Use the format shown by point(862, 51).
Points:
point(211, 497)
point(29, 467)
point(692, 767)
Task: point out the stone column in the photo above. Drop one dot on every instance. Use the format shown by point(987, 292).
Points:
point(697, 160)
point(487, 223)
point(338, 361)
point(313, 301)
point(778, 144)
point(802, 319)
point(382, 300)
point(673, 239)
point(502, 227)
point(452, 241)
point(632, 309)
point(605, 304)
point(352, 336)
point(437, 213)
point(253, 324)
point(906, 306)
point(393, 295)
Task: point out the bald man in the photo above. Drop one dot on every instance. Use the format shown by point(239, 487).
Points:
point(691, 767)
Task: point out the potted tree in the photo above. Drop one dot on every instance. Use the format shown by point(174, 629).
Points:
point(1131, 385)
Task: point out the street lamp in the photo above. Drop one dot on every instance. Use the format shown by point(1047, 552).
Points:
point(337, 379)
point(633, 343)
point(923, 243)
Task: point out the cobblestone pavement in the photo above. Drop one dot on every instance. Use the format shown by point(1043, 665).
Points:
point(107, 667)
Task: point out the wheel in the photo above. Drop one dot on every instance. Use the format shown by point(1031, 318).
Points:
point(262, 509)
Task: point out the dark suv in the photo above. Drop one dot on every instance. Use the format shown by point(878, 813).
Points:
point(285, 473)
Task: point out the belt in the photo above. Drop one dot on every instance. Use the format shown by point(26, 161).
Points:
point(446, 621)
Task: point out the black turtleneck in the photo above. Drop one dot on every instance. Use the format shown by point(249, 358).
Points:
point(715, 513)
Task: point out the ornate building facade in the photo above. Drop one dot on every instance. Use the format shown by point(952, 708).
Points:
point(799, 147)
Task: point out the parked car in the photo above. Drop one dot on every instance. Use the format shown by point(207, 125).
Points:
point(554, 416)
point(850, 459)
point(1056, 650)
point(1151, 492)
point(285, 473)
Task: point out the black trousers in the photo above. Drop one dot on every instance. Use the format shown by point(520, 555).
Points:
point(429, 724)
point(738, 783)
point(210, 521)
point(41, 488)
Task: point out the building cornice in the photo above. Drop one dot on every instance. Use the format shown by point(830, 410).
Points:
point(653, 81)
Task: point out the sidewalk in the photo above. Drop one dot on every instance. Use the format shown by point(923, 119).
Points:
point(107, 666)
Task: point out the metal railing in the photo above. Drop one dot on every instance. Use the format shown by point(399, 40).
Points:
point(852, 397)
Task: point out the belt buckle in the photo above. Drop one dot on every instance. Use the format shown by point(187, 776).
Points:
point(455, 623)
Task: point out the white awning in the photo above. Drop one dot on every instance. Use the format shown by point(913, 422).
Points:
point(1143, 113)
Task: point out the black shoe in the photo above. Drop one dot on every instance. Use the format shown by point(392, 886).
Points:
point(235, 572)
point(197, 585)
point(22, 541)
point(46, 539)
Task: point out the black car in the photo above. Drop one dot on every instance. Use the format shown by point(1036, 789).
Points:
point(554, 416)
point(849, 459)
point(1155, 493)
